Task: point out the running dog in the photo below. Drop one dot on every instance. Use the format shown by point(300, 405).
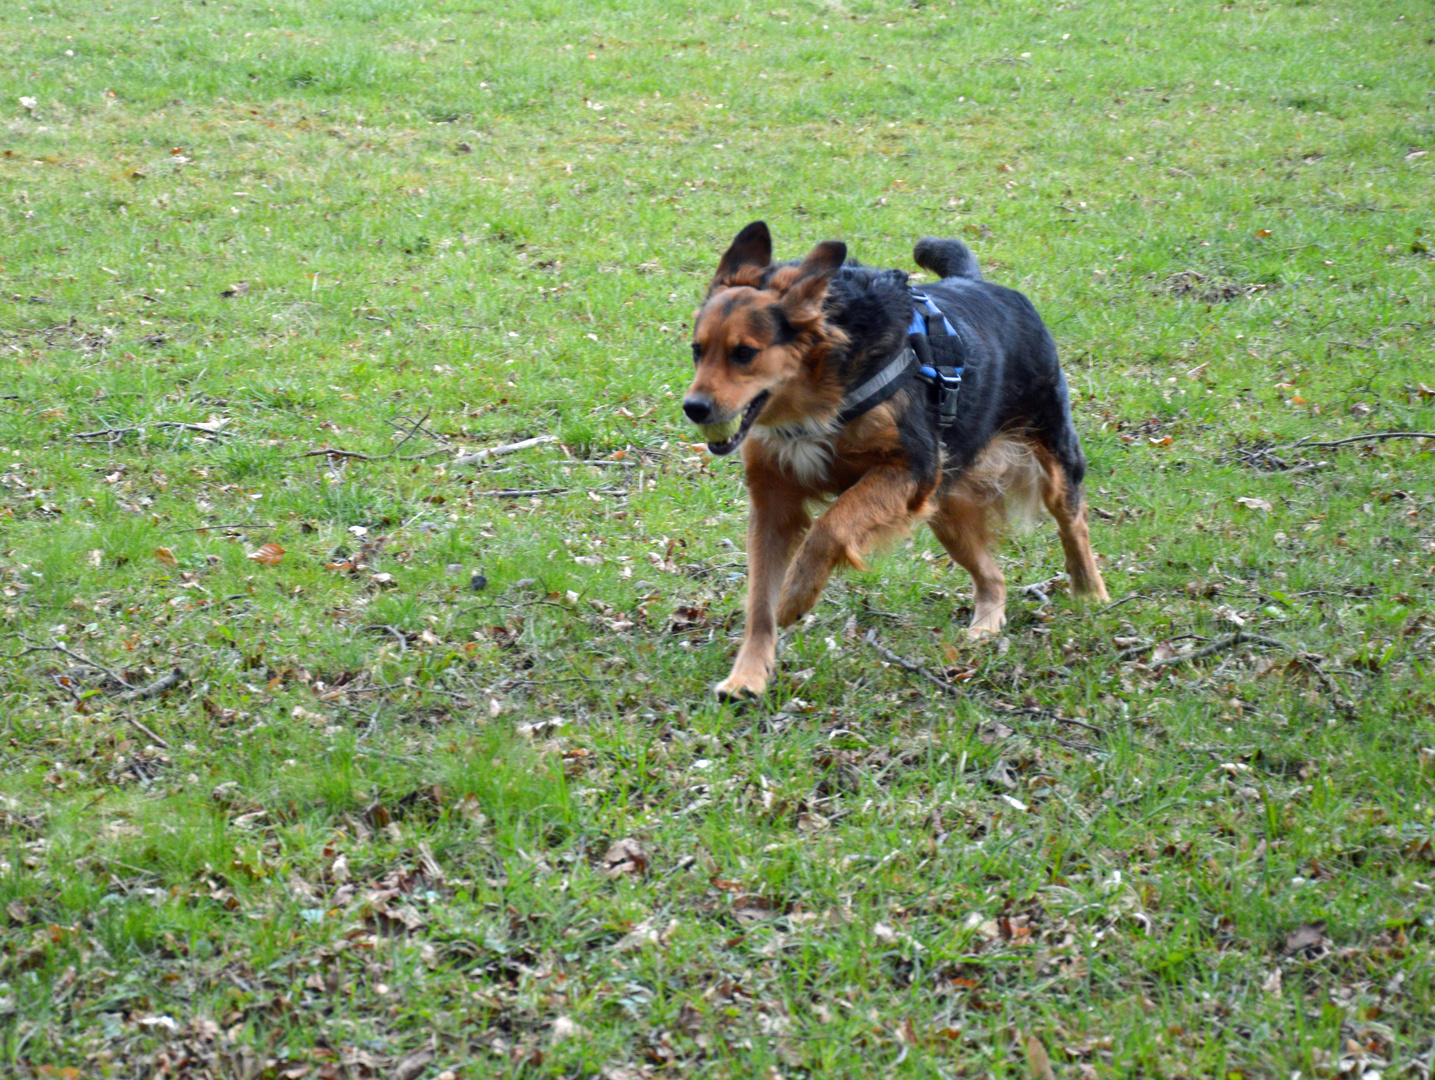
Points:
point(841, 383)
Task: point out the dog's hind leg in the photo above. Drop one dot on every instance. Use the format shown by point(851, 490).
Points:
point(1066, 503)
point(964, 529)
point(776, 523)
point(882, 504)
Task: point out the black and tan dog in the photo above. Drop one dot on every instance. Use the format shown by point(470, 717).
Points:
point(809, 366)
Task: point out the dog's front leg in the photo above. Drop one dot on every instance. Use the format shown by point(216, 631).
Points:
point(776, 523)
point(883, 503)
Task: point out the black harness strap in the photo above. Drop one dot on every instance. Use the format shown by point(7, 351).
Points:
point(935, 354)
point(942, 354)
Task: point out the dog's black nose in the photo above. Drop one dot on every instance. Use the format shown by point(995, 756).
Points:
point(699, 409)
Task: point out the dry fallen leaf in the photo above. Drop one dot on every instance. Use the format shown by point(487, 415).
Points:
point(1252, 503)
point(412, 1065)
point(1231, 615)
point(625, 856)
point(1038, 1061)
point(166, 556)
point(1308, 939)
point(269, 555)
point(646, 933)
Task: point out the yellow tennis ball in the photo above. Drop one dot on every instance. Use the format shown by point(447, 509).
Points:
point(719, 433)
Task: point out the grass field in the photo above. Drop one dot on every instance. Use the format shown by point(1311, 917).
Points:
point(324, 755)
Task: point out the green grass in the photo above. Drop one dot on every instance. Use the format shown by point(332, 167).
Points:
point(375, 828)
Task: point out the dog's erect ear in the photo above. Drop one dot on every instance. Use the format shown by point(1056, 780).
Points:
point(750, 248)
point(810, 282)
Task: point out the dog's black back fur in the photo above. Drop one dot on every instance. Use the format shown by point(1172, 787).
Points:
point(1012, 380)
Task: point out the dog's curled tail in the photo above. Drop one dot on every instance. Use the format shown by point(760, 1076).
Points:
point(946, 258)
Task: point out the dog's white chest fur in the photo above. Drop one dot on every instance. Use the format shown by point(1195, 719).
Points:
point(803, 450)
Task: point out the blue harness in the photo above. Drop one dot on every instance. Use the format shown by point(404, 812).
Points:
point(934, 354)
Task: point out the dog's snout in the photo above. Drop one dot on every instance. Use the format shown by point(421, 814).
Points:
point(699, 408)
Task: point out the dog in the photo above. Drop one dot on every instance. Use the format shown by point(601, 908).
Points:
point(812, 369)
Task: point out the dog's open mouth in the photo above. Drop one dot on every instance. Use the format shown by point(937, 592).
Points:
point(725, 438)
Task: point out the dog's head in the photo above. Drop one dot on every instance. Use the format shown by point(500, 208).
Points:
point(759, 331)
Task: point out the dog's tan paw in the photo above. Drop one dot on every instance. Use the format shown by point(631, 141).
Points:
point(740, 688)
point(795, 604)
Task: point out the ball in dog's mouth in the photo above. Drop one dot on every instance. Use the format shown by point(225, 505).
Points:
point(724, 438)
point(720, 433)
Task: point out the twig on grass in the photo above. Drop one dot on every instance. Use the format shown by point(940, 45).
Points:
point(113, 435)
point(55, 646)
point(1238, 638)
point(150, 734)
point(500, 451)
point(1135, 650)
point(398, 634)
point(335, 452)
point(214, 430)
point(110, 435)
point(956, 691)
point(517, 493)
point(1124, 600)
point(370, 727)
point(1378, 436)
point(412, 431)
point(916, 669)
point(216, 528)
point(132, 692)
point(165, 682)
point(1058, 718)
point(422, 427)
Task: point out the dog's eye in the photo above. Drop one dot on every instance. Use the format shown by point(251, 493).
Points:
point(743, 354)
point(697, 352)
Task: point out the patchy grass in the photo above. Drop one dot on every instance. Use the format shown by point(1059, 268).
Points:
point(440, 789)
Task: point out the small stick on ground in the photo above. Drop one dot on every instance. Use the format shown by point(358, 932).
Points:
point(916, 669)
point(1378, 436)
point(159, 686)
point(333, 452)
point(515, 493)
point(412, 431)
point(956, 691)
point(114, 435)
point(1238, 638)
point(147, 732)
point(1123, 600)
point(214, 431)
point(110, 435)
point(216, 528)
point(499, 451)
point(55, 646)
point(132, 693)
point(395, 631)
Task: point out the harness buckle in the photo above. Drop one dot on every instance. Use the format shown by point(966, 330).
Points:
point(945, 382)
